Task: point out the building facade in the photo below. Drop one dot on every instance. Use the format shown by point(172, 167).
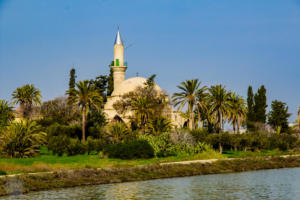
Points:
point(123, 86)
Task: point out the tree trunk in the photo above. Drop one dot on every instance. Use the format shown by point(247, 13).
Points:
point(220, 148)
point(191, 121)
point(238, 125)
point(83, 124)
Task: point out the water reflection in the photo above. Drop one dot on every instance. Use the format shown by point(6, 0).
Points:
point(268, 184)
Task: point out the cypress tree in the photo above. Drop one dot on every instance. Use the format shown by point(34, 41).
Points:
point(250, 106)
point(72, 79)
point(110, 83)
point(260, 105)
point(278, 116)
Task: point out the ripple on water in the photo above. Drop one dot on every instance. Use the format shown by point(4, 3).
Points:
point(265, 184)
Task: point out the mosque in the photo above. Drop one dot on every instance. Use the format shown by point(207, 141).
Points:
point(123, 86)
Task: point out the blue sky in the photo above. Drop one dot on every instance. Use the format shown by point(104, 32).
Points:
point(231, 42)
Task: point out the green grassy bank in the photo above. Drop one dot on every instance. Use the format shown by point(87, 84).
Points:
point(89, 176)
point(48, 162)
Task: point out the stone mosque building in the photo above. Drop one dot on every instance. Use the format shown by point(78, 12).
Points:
point(123, 86)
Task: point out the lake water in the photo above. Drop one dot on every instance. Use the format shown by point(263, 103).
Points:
point(266, 184)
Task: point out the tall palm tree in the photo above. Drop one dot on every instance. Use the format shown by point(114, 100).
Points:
point(143, 109)
point(219, 104)
point(201, 103)
point(86, 96)
point(237, 111)
point(188, 95)
point(27, 96)
point(159, 125)
point(6, 113)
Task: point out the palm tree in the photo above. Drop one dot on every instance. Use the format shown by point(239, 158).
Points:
point(143, 109)
point(27, 96)
point(219, 104)
point(6, 113)
point(237, 111)
point(22, 139)
point(159, 125)
point(117, 132)
point(86, 96)
point(188, 95)
point(201, 103)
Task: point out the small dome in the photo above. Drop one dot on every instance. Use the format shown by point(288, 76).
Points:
point(130, 85)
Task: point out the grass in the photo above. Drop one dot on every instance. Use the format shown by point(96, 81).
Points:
point(48, 162)
point(244, 154)
point(88, 176)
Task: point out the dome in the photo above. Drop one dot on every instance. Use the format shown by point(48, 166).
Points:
point(131, 84)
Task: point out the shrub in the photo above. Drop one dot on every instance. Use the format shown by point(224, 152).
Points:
point(129, 150)
point(199, 134)
point(160, 144)
point(2, 173)
point(58, 144)
point(56, 129)
point(182, 137)
point(22, 140)
point(75, 147)
point(94, 145)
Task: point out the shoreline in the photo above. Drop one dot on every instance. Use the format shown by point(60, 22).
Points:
point(95, 176)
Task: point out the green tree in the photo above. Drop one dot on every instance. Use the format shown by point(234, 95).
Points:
point(85, 96)
point(22, 139)
point(219, 104)
point(59, 111)
point(278, 116)
point(201, 104)
point(187, 96)
point(260, 105)
point(159, 125)
point(6, 113)
point(144, 103)
point(100, 84)
point(110, 83)
point(250, 107)
point(237, 111)
point(72, 80)
point(27, 96)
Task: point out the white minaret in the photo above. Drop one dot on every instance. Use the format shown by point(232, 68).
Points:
point(118, 66)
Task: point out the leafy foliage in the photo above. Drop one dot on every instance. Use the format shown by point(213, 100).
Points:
point(260, 106)
point(72, 80)
point(27, 96)
point(22, 139)
point(144, 103)
point(250, 106)
point(59, 111)
point(6, 113)
point(278, 116)
point(85, 96)
point(129, 150)
point(188, 95)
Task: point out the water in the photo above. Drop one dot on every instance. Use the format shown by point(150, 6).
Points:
point(265, 184)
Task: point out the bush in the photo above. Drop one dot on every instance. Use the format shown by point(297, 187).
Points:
point(58, 144)
point(2, 173)
point(283, 141)
point(75, 147)
point(56, 129)
point(21, 140)
point(161, 144)
point(129, 150)
point(200, 134)
point(94, 145)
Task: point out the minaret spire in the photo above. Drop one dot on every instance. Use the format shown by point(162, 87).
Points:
point(118, 65)
point(118, 39)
